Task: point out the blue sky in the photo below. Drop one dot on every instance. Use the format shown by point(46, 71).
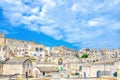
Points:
point(73, 23)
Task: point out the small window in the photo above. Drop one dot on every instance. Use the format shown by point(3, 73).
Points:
point(77, 74)
point(93, 60)
point(35, 54)
point(40, 54)
point(80, 68)
point(41, 49)
point(36, 49)
point(3, 48)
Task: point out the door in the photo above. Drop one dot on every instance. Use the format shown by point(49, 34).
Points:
point(26, 74)
point(98, 74)
point(84, 74)
point(43, 73)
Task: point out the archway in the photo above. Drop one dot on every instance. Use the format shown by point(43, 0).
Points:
point(36, 72)
point(115, 74)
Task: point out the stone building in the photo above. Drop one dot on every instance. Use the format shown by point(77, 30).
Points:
point(2, 39)
point(63, 50)
point(46, 72)
point(45, 67)
point(20, 66)
point(58, 62)
point(1, 68)
point(11, 47)
point(39, 50)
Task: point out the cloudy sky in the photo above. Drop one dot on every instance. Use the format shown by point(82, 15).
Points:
point(73, 23)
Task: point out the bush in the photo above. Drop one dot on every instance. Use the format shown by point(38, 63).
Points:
point(85, 56)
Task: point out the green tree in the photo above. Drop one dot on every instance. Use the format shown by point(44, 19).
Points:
point(85, 56)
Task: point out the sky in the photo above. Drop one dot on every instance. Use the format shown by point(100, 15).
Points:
point(73, 23)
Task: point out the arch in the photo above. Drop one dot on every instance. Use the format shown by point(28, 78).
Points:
point(60, 61)
point(115, 74)
point(36, 72)
point(98, 73)
point(27, 67)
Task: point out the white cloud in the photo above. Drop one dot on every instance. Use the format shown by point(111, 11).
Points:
point(115, 26)
point(93, 23)
point(75, 7)
point(51, 31)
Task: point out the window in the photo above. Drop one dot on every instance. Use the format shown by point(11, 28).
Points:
point(28, 64)
point(80, 68)
point(77, 74)
point(36, 49)
point(41, 49)
point(60, 61)
point(35, 54)
point(40, 54)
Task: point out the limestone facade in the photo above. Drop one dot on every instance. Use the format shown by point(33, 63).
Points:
point(62, 60)
point(17, 66)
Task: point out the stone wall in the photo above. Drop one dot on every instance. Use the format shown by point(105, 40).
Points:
point(2, 41)
point(9, 69)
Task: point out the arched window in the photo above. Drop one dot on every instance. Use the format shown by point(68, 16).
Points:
point(36, 49)
point(41, 49)
point(60, 61)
